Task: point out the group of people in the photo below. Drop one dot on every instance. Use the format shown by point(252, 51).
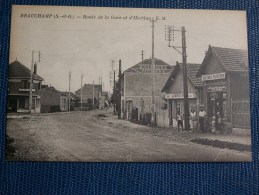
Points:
point(194, 119)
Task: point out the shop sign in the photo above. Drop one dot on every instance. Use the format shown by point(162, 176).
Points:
point(216, 88)
point(214, 96)
point(210, 77)
point(179, 96)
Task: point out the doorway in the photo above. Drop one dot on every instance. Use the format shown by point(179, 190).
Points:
point(215, 109)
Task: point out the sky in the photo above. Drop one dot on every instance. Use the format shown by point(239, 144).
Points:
point(77, 39)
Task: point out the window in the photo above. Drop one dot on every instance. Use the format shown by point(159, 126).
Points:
point(39, 85)
point(33, 103)
point(25, 84)
point(22, 102)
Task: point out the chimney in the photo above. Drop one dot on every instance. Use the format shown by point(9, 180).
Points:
point(35, 69)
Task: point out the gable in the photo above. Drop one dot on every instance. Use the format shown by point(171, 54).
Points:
point(227, 60)
point(145, 66)
point(212, 66)
point(177, 85)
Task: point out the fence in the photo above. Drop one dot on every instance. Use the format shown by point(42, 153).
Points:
point(240, 113)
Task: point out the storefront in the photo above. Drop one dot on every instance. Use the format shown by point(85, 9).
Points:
point(176, 105)
point(173, 90)
point(224, 74)
point(217, 108)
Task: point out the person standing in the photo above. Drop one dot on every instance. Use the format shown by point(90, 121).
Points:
point(193, 120)
point(142, 107)
point(202, 115)
point(179, 121)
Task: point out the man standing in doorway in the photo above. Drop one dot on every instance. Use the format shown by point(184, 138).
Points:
point(202, 115)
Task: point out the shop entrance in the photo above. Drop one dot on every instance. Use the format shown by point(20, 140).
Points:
point(216, 110)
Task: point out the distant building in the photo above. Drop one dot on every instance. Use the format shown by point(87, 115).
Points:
point(74, 100)
point(224, 73)
point(88, 92)
point(136, 87)
point(53, 100)
point(19, 88)
point(174, 93)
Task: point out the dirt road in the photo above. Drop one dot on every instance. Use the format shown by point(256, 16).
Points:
point(88, 136)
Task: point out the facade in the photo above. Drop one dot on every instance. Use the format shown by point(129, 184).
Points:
point(53, 100)
point(136, 88)
point(88, 92)
point(19, 88)
point(174, 94)
point(74, 100)
point(224, 73)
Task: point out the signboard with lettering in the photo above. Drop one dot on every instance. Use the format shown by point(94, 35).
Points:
point(209, 77)
point(216, 88)
point(179, 96)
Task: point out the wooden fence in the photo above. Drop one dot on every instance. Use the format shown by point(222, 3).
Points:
point(240, 113)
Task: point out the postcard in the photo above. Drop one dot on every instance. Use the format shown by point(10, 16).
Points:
point(102, 84)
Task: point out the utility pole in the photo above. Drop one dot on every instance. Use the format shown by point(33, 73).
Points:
point(93, 95)
point(101, 85)
point(185, 84)
point(81, 93)
point(119, 91)
point(114, 94)
point(142, 55)
point(153, 75)
point(184, 70)
point(69, 91)
point(31, 82)
point(31, 78)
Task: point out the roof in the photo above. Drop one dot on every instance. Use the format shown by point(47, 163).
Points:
point(72, 95)
point(51, 88)
point(231, 60)
point(88, 87)
point(18, 70)
point(192, 70)
point(138, 68)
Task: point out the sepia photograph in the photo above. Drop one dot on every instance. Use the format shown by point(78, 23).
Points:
point(102, 84)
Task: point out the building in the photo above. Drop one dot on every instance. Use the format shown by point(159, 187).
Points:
point(88, 92)
point(224, 73)
point(174, 94)
point(53, 100)
point(19, 88)
point(74, 100)
point(136, 88)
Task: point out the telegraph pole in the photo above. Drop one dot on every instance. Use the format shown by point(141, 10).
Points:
point(93, 95)
point(69, 91)
point(31, 81)
point(119, 91)
point(185, 84)
point(153, 75)
point(81, 93)
point(114, 95)
point(184, 70)
point(142, 55)
point(31, 78)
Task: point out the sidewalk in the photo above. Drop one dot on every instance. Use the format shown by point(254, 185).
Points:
point(231, 141)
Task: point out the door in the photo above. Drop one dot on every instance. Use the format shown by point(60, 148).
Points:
point(215, 108)
point(12, 104)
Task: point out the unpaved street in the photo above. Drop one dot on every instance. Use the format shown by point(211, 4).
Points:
point(89, 136)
